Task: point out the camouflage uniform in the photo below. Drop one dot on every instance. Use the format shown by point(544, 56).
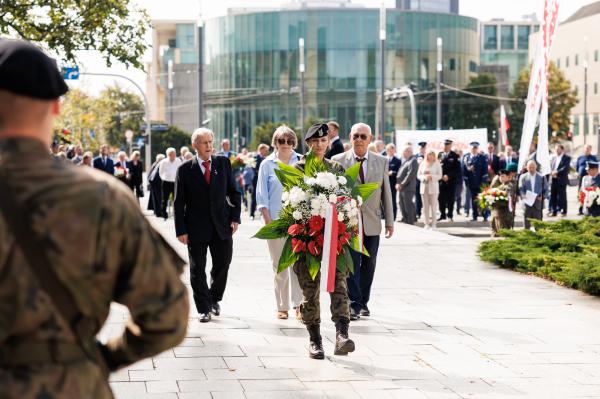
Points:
point(310, 307)
point(502, 217)
point(103, 250)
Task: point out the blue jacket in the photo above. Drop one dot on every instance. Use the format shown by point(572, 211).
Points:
point(582, 163)
point(108, 166)
point(474, 170)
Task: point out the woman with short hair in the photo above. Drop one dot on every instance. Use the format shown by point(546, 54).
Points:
point(268, 199)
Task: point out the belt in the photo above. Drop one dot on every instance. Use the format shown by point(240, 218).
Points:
point(28, 353)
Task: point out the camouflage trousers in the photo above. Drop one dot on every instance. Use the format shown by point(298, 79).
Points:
point(502, 218)
point(310, 308)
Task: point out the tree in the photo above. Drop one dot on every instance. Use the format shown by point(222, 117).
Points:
point(115, 28)
point(470, 111)
point(561, 99)
point(263, 133)
point(174, 137)
point(120, 110)
point(79, 116)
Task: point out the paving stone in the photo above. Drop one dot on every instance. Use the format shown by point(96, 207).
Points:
point(161, 386)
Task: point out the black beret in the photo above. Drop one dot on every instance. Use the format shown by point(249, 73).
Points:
point(25, 70)
point(316, 131)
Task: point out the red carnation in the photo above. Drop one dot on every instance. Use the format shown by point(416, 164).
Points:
point(341, 228)
point(314, 248)
point(298, 246)
point(339, 247)
point(316, 225)
point(296, 229)
point(320, 240)
point(345, 239)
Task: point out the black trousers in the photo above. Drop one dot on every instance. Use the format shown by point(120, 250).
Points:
point(359, 282)
point(253, 205)
point(418, 199)
point(220, 252)
point(156, 197)
point(168, 188)
point(446, 198)
point(558, 198)
point(474, 191)
point(394, 196)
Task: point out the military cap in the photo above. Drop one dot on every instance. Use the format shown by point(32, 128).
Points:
point(592, 165)
point(317, 130)
point(448, 142)
point(512, 167)
point(423, 144)
point(474, 143)
point(503, 171)
point(25, 70)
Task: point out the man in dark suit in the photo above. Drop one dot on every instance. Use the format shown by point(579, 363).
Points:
point(450, 170)
point(336, 146)
point(103, 161)
point(493, 161)
point(475, 173)
point(207, 214)
point(394, 164)
point(582, 163)
point(509, 157)
point(560, 165)
point(261, 155)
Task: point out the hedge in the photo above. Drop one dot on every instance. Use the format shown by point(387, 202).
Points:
point(567, 252)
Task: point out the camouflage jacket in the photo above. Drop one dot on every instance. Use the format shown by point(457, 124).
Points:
point(103, 250)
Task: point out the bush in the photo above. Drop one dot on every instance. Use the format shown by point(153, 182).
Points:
point(567, 252)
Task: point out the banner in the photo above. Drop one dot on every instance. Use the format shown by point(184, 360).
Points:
point(330, 243)
point(504, 126)
point(435, 138)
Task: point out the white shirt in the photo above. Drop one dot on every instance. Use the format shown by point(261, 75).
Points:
point(532, 180)
point(364, 164)
point(168, 170)
point(557, 161)
point(202, 168)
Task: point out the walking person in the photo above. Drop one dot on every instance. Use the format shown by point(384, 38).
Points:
point(58, 278)
point(136, 169)
point(373, 169)
point(103, 161)
point(155, 187)
point(317, 140)
point(474, 171)
point(261, 155)
point(503, 216)
point(406, 185)
point(532, 185)
point(394, 164)
point(167, 169)
point(418, 201)
point(430, 174)
point(207, 214)
point(450, 161)
point(268, 197)
point(121, 171)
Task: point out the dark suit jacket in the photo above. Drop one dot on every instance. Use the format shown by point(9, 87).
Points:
point(337, 147)
point(202, 210)
point(504, 162)
point(135, 171)
point(108, 168)
point(562, 177)
point(474, 170)
point(495, 162)
point(450, 166)
point(394, 166)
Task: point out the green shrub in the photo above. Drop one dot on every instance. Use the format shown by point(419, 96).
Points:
point(567, 252)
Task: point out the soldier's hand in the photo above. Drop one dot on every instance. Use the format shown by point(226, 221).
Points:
point(389, 231)
point(183, 239)
point(234, 227)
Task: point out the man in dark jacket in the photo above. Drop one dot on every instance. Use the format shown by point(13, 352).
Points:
point(560, 165)
point(336, 146)
point(450, 171)
point(475, 174)
point(103, 161)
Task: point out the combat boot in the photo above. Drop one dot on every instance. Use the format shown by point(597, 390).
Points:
point(315, 348)
point(343, 344)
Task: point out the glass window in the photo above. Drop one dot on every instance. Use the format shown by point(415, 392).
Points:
point(523, 37)
point(472, 66)
point(452, 64)
point(558, 62)
point(566, 61)
point(576, 59)
point(490, 37)
point(596, 88)
point(576, 125)
point(596, 56)
point(507, 37)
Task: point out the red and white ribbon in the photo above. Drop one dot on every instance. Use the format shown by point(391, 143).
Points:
point(330, 242)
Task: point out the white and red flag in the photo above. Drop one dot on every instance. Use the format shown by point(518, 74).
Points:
point(504, 126)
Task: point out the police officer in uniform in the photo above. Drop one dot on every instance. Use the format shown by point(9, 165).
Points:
point(450, 171)
point(57, 279)
point(475, 174)
point(317, 140)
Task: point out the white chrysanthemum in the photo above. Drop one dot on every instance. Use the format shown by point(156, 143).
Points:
point(327, 180)
point(340, 217)
point(353, 202)
point(297, 195)
point(353, 221)
point(360, 200)
point(297, 215)
point(311, 181)
point(342, 180)
point(285, 196)
point(332, 198)
point(347, 207)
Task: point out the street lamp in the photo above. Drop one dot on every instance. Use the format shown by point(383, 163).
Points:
point(382, 37)
point(170, 87)
point(402, 92)
point(438, 113)
point(200, 66)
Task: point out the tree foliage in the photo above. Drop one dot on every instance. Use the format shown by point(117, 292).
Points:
point(174, 137)
point(561, 99)
point(80, 118)
point(475, 112)
point(122, 110)
point(115, 28)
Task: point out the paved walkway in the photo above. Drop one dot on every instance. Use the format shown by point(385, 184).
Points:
point(444, 325)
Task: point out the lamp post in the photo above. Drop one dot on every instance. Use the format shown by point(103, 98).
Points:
point(301, 69)
point(170, 88)
point(200, 67)
point(438, 112)
point(382, 37)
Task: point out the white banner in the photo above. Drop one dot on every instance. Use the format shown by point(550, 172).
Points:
point(435, 138)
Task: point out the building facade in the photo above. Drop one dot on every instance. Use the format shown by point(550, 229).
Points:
point(575, 48)
point(252, 58)
point(450, 6)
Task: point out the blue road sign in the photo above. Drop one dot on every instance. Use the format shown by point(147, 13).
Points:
point(70, 73)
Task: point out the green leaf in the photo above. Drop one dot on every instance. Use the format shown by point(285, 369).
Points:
point(355, 245)
point(288, 179)
point(352, 173)
point(313, 165)
point(344, 262)
point(288, 257)
point(365, 190)
point(314, 265)
point(276, 229)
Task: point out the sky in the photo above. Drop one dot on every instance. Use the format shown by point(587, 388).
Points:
point(189, 9)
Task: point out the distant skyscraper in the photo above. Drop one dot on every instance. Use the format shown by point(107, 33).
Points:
point(449, 6)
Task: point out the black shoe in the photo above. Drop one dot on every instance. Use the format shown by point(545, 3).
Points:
point(364, 312)
point(205, 317)
point(216, 309)
point(441, 218)
point(343, 344)
point(315, 347)
point(354, 315)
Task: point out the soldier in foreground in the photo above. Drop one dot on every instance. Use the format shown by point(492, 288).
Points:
point(58, 279)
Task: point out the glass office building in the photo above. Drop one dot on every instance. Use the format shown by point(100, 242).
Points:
point(251, 71)
point(428, 5)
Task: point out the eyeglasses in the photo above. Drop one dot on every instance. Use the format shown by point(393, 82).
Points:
point(357, 136)
point(284, 141)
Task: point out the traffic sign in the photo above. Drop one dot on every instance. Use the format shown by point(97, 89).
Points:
point(155, 127)
point(70, 73)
